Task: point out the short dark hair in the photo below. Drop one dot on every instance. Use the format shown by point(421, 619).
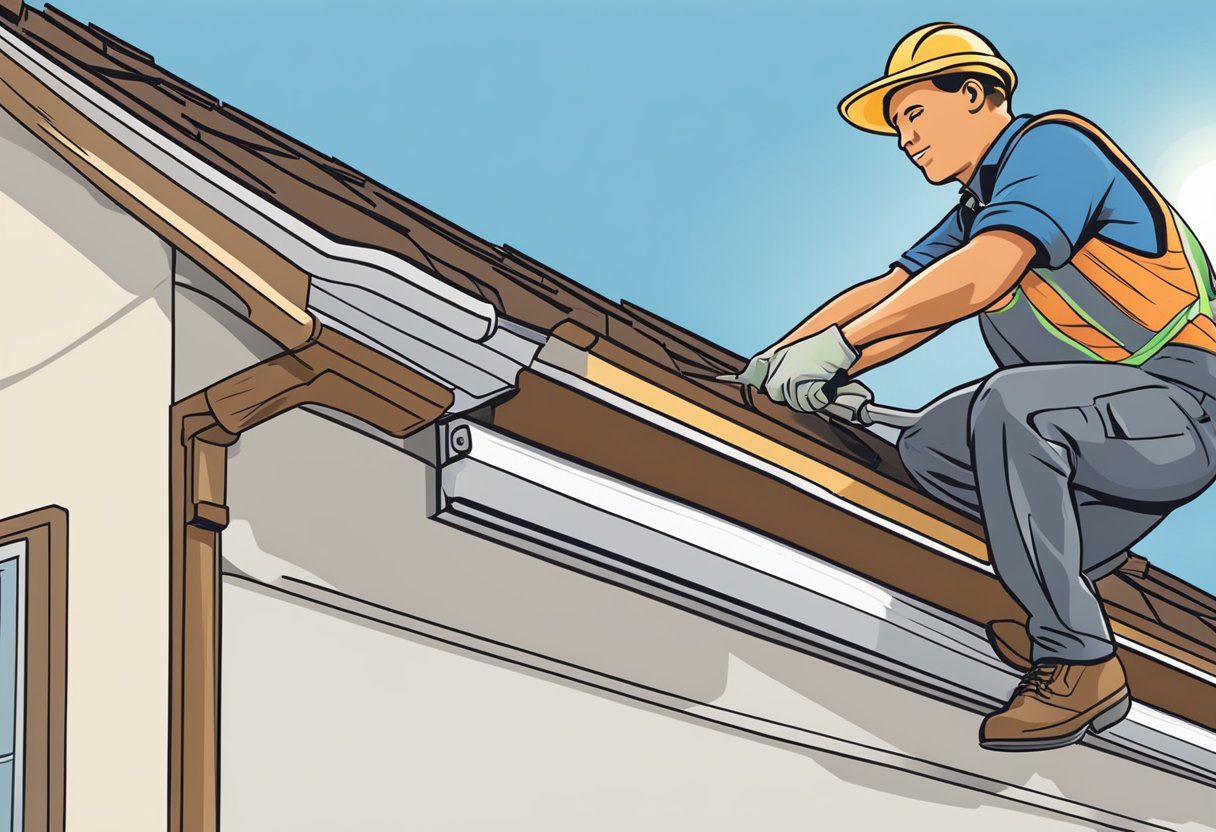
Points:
point(953, 82)
point(994, 87)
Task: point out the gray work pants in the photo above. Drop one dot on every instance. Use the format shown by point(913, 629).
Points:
point(1066, 465)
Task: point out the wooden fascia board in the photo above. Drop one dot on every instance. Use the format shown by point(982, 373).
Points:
point(274, 289)
point(578, 426)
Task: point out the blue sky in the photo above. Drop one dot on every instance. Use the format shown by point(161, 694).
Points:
point(688, 155)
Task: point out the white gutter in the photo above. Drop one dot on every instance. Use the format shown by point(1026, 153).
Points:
point(518, 493)
point(436, 329)
point(558, 352)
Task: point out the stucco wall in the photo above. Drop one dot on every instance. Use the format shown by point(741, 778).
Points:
point(387, 718)
point(85, 297)
point(211, 338)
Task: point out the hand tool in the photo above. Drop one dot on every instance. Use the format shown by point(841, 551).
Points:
point(868, 414)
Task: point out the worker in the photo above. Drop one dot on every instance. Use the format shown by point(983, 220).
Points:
point(1093, 297)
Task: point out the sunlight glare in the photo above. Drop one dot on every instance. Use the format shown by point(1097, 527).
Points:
point(1197, 203)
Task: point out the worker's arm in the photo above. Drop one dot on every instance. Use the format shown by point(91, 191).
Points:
point(847, 305)
point(958, 285)
point(880, 352)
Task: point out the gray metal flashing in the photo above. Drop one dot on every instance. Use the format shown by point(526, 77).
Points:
point(435, 328)
point(476, 370)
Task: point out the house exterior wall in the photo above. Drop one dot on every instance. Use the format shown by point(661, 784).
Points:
point(85, 364)
point(211, 338)
point(382, 670)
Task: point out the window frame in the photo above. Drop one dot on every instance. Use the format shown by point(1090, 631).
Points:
point(42, 655)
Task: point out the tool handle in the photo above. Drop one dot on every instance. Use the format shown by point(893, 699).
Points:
point(870, 414)
point(859, 416)
point(892, 417)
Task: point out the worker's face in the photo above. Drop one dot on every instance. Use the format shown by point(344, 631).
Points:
point(938, 130)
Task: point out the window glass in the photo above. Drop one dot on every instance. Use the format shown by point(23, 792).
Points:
point(9, 681)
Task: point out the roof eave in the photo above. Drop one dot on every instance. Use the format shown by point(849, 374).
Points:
point(292, 277)
point(581, 390)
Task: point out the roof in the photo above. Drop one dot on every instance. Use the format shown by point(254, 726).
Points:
point(343, 204)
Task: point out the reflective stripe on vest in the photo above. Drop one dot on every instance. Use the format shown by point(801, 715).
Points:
point(1114, 304)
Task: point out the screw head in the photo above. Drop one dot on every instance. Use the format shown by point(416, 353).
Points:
point(461, 439)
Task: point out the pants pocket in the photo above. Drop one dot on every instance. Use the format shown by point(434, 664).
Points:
point(1147, 413)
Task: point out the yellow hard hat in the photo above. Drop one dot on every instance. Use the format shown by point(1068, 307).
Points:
point(930, 50)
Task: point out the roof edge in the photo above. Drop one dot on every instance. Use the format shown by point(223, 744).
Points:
point(293, 277)
point(575, 365)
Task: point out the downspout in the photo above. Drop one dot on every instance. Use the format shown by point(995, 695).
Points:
point(326, 369)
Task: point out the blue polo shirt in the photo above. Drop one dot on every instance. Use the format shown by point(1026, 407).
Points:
point(1057, 187)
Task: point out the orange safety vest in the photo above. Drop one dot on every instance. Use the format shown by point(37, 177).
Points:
point(1115, 304)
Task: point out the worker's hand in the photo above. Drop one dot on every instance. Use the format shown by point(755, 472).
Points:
point(755, 372)
point(851, 403)
point(804, 374)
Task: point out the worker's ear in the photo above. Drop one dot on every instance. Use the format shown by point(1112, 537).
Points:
point(974, 91)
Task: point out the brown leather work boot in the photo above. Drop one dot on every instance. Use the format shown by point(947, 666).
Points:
point(1010, 642)
point(1055, 702)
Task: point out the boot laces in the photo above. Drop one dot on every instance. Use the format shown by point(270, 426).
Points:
point(1037, 680)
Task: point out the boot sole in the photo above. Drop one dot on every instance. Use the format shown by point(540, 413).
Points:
point(1111, 716)
point(1105, 719)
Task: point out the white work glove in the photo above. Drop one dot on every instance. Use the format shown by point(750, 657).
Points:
point(756, 371)
point(804, 375)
